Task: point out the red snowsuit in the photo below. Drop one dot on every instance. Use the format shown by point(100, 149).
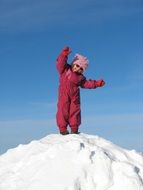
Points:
point(69, 112)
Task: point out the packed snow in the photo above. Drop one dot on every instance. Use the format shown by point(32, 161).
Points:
point(71, 162)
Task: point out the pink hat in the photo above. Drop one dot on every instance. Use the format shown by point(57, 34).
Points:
point(81, 61)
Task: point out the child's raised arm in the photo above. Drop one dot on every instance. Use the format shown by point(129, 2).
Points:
point(61, 62)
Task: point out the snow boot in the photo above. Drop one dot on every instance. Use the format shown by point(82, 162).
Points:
point(76, 132)
point(64, 132)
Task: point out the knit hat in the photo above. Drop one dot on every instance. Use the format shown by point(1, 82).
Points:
point(81, 61)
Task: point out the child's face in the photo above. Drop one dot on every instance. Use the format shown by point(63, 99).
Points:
point(76, 68)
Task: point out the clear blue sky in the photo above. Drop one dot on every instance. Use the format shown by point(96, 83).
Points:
point(109, 33)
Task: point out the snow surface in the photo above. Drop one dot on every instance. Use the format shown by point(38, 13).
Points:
point(71, 162)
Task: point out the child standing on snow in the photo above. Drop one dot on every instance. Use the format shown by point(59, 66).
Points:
point(71, 78)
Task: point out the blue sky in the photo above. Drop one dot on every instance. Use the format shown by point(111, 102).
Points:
point(109, 33)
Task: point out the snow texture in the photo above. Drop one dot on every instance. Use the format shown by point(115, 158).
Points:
point(71, 162)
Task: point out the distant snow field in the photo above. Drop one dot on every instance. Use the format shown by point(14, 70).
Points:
point(71, 162)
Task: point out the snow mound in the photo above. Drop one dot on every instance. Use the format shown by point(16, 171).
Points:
point(71, 162)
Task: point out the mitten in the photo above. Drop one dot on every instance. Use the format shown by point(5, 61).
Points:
point(66, 51)
point(100, 83)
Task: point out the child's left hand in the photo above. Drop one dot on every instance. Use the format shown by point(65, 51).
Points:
point(100, 83)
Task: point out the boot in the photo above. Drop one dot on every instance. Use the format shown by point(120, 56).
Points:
point(74, 130)
point(64, 132)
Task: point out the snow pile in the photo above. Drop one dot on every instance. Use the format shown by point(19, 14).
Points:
point(71, 162)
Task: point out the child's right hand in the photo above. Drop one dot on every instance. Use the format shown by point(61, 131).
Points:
point(66, 51)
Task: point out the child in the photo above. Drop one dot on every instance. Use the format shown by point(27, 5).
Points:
point(71, 78)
